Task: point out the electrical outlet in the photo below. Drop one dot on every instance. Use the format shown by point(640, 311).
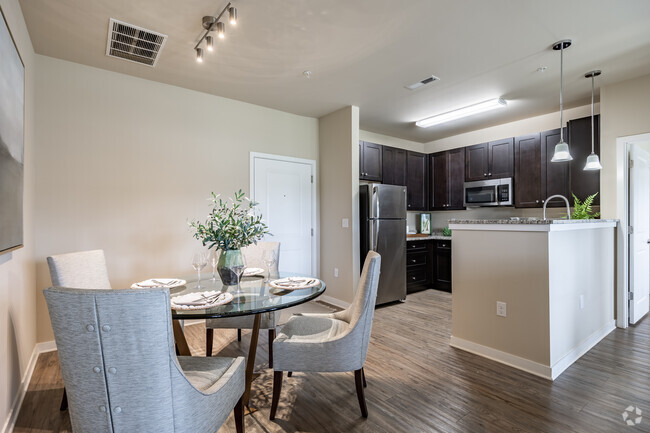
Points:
point(336, 272)
point(345, 223)
point(582, 302)
point(501, 309)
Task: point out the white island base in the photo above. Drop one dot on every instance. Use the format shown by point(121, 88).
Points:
point(556, 279)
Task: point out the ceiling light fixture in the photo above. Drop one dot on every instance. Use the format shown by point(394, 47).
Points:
point(470, 110)
point(561, 153)
point(211, 24)
point(593, 163)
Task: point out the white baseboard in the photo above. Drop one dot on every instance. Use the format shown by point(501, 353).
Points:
point(39, 348)
point(584, 347)
point(518, 362)
point(532, 367)
point(333, 301)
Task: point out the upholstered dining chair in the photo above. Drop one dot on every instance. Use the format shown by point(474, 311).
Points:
point(269, 320)
point(81, 270)
point(336, 342)
point(116, 349)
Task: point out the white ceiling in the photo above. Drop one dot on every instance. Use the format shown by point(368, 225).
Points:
point(362, 52)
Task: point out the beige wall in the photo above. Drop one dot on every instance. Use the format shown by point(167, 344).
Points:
point(122, 163)
point(625, 109)
point(339, 194)
point(17, 295)
point(387, 140)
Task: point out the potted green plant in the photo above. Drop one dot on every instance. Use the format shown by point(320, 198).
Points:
point(582, 210)
point(231, 225)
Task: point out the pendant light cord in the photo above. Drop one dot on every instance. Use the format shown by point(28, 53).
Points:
point(592, 112)
point(561, 90)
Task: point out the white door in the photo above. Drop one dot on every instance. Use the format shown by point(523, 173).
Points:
point(640, 237)
point(284, 189)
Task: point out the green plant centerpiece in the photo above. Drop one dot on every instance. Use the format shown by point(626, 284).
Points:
point(231, 225)
point(582, 210)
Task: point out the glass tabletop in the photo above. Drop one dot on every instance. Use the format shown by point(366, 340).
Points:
point(256, 297)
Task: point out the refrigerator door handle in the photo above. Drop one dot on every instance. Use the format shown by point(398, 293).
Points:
point(373, 235)
point(375, 201)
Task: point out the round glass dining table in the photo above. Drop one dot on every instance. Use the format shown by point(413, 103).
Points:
point(255, 297)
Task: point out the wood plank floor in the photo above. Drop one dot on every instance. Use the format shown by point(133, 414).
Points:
point(418, 383)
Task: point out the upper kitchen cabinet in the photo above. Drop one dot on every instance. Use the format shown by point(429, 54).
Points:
point(393, 166)
point(493, 160)
point(370, 161)
point(528, 171)
point(555, 175)
point(583, 183)
point(417, 180)
point(446, 174)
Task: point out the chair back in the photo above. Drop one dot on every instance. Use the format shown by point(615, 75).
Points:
point(361, 312)
point(254, 253)
point(81, 270)
point(116, 355)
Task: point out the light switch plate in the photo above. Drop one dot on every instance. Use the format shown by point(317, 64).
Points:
point(345, 223)
point(501, 309)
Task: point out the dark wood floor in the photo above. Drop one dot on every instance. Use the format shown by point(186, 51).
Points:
point(418, 383)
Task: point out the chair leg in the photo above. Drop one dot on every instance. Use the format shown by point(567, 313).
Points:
point(64, 401)
point(239, 415)
point(239, 335)
point(209, 336)
point(271, 338)
point(289, 374)
point(358, 379)
point(277, 387)
point(363, 374)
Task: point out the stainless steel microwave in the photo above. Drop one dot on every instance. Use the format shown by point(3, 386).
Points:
point(493, 192)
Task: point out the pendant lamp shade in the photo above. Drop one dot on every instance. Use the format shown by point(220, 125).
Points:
point(562, 152)
point(593, 162)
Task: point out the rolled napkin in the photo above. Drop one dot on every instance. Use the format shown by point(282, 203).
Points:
point(294, 283)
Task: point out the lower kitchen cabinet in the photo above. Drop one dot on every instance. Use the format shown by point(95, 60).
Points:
point(428, 265)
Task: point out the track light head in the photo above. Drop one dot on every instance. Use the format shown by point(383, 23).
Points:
point(232, 12)
point(209, 43)
point(221, 30)
point(199, 55)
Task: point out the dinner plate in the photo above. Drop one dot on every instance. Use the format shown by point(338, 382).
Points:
point(294, 283)
point(249, 272)
point(159, 282)
point(200, 300)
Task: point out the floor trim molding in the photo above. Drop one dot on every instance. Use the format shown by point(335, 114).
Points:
point(333, 301)
point(39, 348)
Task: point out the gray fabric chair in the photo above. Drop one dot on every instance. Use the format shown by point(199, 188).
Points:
point(82, 270)
point(253, 255)
point(335, 342)
point(116, 349)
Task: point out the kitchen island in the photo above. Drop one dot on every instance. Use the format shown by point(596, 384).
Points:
point(533, 294)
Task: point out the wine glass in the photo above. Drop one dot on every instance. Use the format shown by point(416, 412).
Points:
point(213, 258)
point(199, 261)
point(237, 266)
point(269, 259)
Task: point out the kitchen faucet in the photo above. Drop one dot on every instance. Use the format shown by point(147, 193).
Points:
point(568, 211)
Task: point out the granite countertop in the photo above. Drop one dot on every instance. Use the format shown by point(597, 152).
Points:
point(438, 236)
point(529, 221)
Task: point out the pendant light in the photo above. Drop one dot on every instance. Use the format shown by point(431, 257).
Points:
point(561, 153)
point(593, 163)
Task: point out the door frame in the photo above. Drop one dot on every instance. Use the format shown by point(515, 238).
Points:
point(315, 239)
point(623, 211)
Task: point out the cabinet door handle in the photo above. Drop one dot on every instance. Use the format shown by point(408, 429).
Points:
point(484, 175)
point(536, 201)
point(413, 261)
point(489, 174)
point(413, 278)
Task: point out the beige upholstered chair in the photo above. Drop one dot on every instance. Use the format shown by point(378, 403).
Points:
point(253, 254)
point(334, 342)
point(80, 270)
point(116, 349)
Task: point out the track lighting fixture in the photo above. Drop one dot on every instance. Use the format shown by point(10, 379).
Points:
point(211, 24)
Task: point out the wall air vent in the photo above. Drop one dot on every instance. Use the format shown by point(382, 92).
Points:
point(422, 83)
point(133, 43)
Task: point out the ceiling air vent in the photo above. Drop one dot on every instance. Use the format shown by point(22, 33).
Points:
point(133, 43)
point(421, 83)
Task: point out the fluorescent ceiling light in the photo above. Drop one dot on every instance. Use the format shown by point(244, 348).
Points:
point(462, 112)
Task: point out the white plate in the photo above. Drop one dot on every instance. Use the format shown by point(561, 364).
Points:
point(249, 272)
point(294, 283)
point(194, 301)
point(159, 282)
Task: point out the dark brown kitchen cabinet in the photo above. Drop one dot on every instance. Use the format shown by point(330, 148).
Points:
point(492, 160)
point(442, 265)
point(418, 264)
point(583, 183)
point(555, 175)
point(370, 161)
point(528, 171)
point(393, 169)
point(446, 176)
point(417, 180)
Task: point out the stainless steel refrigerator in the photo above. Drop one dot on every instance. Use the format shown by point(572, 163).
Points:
point(382, 209)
